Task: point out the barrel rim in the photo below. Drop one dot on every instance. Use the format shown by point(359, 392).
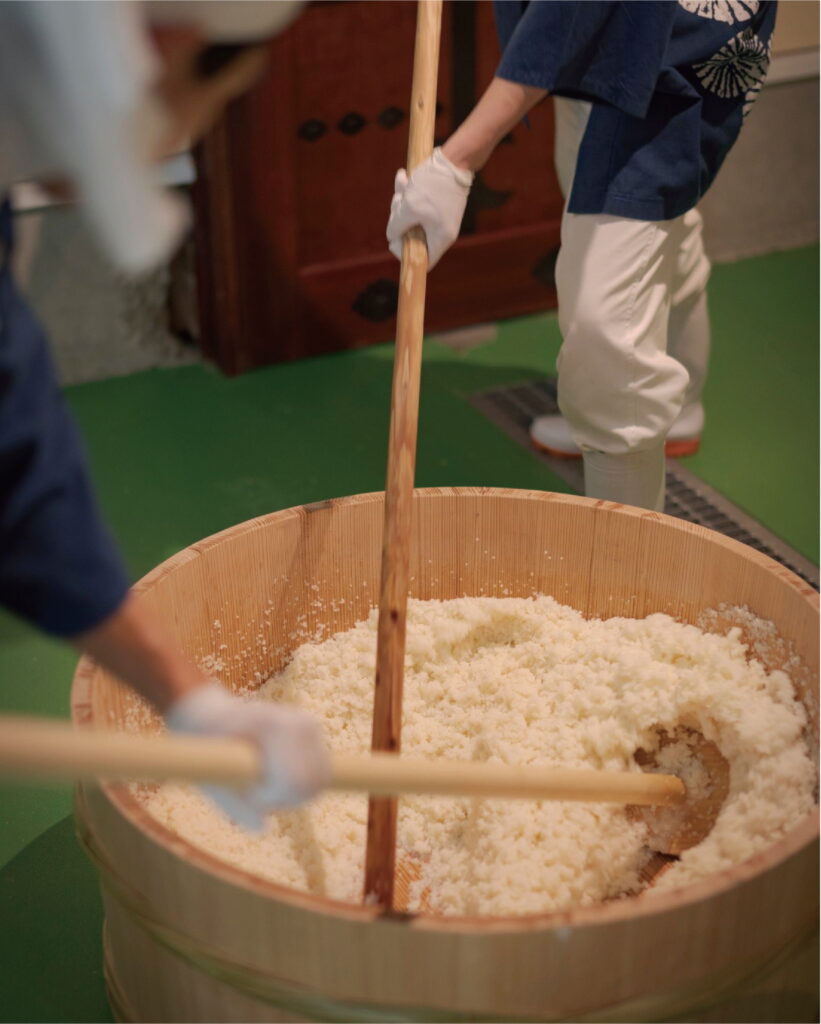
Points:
point(646, 904)
point(680, 525)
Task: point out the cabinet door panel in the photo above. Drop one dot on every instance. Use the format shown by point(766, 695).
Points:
point(294, 188)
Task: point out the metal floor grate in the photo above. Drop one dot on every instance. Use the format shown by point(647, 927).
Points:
point(513, 407)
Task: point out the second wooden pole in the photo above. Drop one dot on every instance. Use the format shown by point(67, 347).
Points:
point(380, 853)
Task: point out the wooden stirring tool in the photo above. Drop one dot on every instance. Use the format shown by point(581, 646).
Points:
point(673, 830)
point(380, 855)
point(46, 749)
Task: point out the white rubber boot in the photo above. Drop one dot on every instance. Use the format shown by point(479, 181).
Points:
point(551, 434)
point(636, 478)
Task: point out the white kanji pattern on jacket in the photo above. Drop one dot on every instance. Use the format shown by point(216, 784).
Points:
point(729, 11)
point(740, 66)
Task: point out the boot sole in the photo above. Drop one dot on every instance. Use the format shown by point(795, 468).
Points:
point(672, 449)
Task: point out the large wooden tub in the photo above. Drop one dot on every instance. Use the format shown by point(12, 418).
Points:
point(189, 938)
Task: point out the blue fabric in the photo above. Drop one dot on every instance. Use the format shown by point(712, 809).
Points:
point(59, 567)
point(669, 83)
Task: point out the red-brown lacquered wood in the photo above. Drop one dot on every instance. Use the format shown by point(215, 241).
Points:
point(380, 854)
point(480, 273)
point(290, 229)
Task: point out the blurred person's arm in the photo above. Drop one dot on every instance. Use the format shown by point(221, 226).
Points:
point(132, 644)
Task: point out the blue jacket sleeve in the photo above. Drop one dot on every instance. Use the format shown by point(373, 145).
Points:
point(600, 50)
point(59, 567)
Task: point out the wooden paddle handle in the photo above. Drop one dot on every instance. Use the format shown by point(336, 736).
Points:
point(42, 749)
point(380, 854)
point(389, 774)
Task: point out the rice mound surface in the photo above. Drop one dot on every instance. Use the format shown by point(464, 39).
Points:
point(525, 681)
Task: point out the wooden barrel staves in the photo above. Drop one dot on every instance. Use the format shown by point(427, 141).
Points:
point(190, 938)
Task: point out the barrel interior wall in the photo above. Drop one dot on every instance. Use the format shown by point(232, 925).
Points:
point(250, 597)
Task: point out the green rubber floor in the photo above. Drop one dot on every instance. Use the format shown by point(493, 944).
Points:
point(179, 454)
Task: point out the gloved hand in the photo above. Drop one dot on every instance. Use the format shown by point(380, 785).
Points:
point(433, 198)
point(296, 763)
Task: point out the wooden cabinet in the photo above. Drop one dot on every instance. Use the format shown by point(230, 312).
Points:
point(294, 188)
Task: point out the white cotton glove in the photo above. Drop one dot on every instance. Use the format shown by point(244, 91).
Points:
point(296, 763)
point(433, 198)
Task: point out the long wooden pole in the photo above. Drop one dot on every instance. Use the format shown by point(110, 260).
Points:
point(37, 748)
point(380, 855)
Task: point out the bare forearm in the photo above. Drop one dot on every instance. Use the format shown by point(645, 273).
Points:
point(501, 107)
point(133, 645)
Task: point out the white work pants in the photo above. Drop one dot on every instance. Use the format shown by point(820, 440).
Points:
point(633, 317)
